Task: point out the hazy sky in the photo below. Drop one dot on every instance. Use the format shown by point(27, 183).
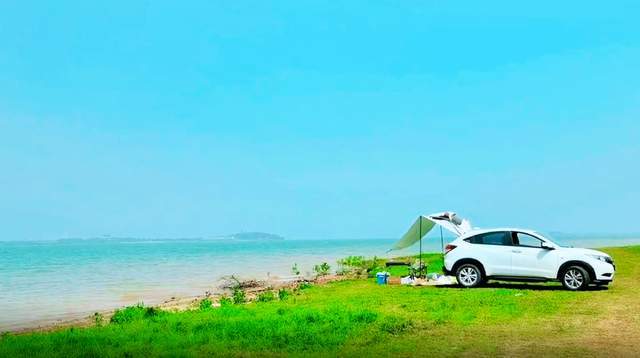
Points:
point(316, 119)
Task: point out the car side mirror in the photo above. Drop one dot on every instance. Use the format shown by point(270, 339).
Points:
point(547, 246)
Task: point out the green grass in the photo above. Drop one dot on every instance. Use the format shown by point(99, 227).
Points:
point(358, 317)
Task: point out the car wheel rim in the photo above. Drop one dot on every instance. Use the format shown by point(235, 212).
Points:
point(573, 278)
point(468, 276)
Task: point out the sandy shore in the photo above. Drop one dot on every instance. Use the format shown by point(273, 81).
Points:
point(251, 287)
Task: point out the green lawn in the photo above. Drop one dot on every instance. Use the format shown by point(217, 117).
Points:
point(358, 317)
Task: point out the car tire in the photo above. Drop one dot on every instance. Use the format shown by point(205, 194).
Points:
point(575, 278)
point(469, 275)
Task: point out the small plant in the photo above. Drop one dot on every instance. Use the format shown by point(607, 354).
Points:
point(295, 270)
point(352, 265)
point(239, 296)
point(237, 288)
point(205, 304)
point(225, 301)
point(304, 286)
point(283, 294)
point(128, 314)
point(352, 261)
point(150, 312)
point(322, 269)
point(98, 319)
point(265, 296)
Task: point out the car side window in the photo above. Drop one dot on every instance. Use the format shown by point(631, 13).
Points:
point(527, 240)
point(491, 238)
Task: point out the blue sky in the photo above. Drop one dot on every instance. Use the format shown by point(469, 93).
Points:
point(316, 119)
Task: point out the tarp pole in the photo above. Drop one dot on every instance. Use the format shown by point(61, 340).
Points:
point(420, 236)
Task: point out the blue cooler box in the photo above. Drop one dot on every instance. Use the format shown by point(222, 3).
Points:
point(381, 278)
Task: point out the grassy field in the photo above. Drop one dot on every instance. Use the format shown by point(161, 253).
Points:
point(358, 317)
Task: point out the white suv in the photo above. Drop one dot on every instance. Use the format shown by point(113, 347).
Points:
point(524, 255)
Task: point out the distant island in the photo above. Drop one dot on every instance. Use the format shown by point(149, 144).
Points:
point(242, 236)
point(254, 236)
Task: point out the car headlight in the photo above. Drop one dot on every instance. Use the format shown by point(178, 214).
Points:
point(602, 258)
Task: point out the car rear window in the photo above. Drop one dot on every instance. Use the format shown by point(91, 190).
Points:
point(491, 238)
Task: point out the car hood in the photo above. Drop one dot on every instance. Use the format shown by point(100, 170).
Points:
point(577, 250)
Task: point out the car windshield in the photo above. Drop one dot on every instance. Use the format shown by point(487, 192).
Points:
point(553, 239)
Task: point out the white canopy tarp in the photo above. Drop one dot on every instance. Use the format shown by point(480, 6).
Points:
point(425, 223)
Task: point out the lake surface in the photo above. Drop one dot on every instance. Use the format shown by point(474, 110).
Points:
point(47, 281)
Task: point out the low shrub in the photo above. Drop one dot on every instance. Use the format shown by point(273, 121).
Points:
point(128, 314)
point(322, 269)
point(283, 294)
point(150, 312)
point(239, 296)
point(265, 296)
point(225, 301)
point(98, 319)
point(205, 304)
point(351, 265)
point(352, 261)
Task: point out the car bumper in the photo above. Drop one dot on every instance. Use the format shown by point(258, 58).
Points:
point(604, 271)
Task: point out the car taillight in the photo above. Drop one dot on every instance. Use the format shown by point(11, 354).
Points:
point(449, 248)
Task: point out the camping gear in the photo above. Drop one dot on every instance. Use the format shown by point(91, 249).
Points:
point(382, 277)
point(418, 270)
point(433, 276)
point(446, 280)
point(424, 224)
point(407, 280)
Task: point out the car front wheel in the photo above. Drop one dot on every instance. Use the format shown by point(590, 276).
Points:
point(575, 278)
point(469, 275)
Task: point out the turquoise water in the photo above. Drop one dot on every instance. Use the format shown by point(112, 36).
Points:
point(42, 282)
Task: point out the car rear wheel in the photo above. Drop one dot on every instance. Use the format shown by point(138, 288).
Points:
point(469, 275)
point(575, 278)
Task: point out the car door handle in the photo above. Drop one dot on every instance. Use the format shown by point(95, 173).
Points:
point(516, 251)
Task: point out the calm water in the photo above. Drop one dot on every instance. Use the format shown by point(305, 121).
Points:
point(43, 282)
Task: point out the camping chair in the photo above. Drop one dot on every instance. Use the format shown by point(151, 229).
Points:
point(418, 270)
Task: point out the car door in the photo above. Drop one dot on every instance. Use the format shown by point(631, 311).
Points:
point(530, 258)
point(493, 250)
